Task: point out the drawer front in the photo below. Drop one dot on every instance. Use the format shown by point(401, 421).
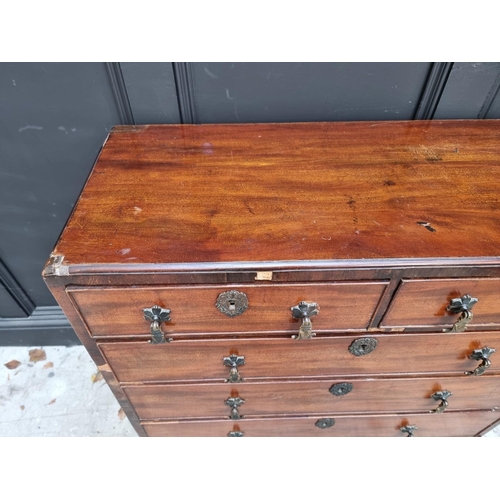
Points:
point(423, 303)
point(286, 358)
point(118, 311)
point(430, 425)
point(338, 396)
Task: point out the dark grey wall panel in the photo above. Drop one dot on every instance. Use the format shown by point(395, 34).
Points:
point(9, 308)
point(151, 92)
point(53, 121)
point(267, 92)
point(469, 91)
point(491, 107)
point(494, 110)
point(14, 302)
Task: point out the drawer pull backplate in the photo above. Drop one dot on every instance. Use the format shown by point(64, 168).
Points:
point(324, 423)
point(361, 347)
point(341, 389)
point(232, 303)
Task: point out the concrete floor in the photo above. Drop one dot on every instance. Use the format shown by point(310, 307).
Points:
point(58, 391)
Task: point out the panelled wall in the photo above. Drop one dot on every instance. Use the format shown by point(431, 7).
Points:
point(54, 118)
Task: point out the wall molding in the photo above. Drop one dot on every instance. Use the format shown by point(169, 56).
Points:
point(120, 95)
point(433, 90)
point(490, 98)
point(46, 326)
point(42, 317)
point(15, 290)
point(183, 76)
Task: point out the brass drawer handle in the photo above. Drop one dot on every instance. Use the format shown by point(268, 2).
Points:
point(157, 315)
point(443, 397)
point(304, 310)
point(236, 434)
point(233, 361)
point(482, 355)
point(461, 305)
point(234, 403)
point(409, 429)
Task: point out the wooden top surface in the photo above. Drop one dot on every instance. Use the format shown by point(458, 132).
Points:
point(194, 194)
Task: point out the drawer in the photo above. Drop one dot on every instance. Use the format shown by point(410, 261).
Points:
point(338, 396)
point(183, 360)
point(422, 303)
point(118, 311)
point(456, 424)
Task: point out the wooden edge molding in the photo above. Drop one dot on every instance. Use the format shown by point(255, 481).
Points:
point(81, 269)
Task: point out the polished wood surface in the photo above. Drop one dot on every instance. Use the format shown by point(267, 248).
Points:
point(422, 303)
point(309, 398)
point(289, 192)
point(284, 358)
point(118, 311)
point(430, 425)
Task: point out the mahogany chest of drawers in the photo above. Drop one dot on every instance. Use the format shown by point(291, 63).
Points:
point(304, 279)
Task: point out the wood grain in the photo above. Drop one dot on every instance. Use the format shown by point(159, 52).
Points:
point(290, 192)
point(197, 360)
point(422, 303)
point(118, 311)
point(271, 398)
point(430, 425)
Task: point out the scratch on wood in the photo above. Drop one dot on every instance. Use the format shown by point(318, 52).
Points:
point(427, 226)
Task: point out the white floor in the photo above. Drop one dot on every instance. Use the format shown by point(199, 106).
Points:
point(58, 391)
